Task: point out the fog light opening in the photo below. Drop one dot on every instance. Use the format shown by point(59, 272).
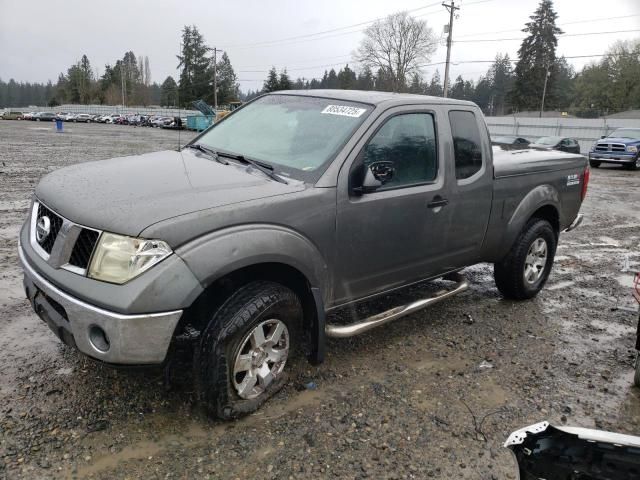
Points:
point(99, 339)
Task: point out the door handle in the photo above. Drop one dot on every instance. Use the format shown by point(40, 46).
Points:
point(437, 201)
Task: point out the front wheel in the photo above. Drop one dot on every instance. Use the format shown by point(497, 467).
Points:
point(635, 165)
point(525, 269)
point(243, 351)
point(594, 163)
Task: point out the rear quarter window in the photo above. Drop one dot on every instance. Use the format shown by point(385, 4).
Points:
point(467, 145)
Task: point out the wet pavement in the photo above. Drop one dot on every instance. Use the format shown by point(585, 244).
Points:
point(431, 396)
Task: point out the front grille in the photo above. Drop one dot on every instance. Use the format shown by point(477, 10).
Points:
point(68, 245)
point(611, 147)
point(83, 248)
point(618, 147)
point(56, 224)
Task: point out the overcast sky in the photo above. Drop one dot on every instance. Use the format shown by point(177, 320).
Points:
point(39, 39)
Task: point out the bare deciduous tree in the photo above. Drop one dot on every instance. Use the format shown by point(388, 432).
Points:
point(397, 45)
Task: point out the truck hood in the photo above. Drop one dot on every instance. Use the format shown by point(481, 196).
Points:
point(625, 140)
point(126, 195)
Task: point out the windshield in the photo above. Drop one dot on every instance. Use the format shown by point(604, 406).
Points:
point(626, 133)
point(298, 135)
point(548, 140)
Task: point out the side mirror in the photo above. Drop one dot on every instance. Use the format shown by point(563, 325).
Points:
point(375, 176)
point(602, 136)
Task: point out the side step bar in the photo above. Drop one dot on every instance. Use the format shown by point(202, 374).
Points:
point(344, 331)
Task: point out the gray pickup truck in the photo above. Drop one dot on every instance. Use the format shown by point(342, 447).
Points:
point(297, 204)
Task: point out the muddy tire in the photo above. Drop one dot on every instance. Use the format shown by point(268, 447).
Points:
point(240, 362)
point(594, 163)
point(525, 269)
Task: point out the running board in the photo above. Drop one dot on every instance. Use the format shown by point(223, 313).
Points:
point(344, 331)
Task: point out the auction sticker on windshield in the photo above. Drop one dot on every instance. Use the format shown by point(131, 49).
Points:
point(344, 110)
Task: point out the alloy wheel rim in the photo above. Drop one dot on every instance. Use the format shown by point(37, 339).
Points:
point(261, 358)
point(535, 261)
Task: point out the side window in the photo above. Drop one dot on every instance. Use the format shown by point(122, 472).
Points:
point(408, 141)
point(466, 143)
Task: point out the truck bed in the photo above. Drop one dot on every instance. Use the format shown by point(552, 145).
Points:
point(507, 163)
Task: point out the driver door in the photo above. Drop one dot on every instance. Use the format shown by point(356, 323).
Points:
point(392, 235)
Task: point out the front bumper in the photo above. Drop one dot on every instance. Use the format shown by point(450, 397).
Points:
point(621, 158)
point(111, 337)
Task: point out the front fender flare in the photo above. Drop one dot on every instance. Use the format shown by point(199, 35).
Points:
point(218, 253)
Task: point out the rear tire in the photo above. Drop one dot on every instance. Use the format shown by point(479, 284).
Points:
point(243, 351)
point(594, 163)
point(525, 269)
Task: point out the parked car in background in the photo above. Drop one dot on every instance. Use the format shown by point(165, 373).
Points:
point(44, 117)
point(161, 121)
point(563, 144)
point(510, 141)
point(113, 118)
point(12, 115)
point(621, 147)
point(28, 116)
point(83, 117)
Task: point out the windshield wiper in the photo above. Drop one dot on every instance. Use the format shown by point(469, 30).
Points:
point(208, 151)
point(262, 166)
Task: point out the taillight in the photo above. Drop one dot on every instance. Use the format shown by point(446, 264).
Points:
point(585, 182)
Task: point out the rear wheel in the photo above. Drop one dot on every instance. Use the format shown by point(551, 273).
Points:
point(244, 350)
point(525, 269)
point(594, 163)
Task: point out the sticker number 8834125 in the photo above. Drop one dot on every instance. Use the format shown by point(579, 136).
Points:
point(344, 110)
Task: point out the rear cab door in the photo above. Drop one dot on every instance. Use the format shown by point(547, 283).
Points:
point(470, 184)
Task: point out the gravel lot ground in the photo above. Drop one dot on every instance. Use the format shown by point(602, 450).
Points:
point(410, 400)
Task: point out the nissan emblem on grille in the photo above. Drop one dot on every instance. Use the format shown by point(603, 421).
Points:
point(43, 228)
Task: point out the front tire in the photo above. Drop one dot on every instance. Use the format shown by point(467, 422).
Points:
point(635, 165)
point(241, 359)
point(525, 269)
point(594, 163)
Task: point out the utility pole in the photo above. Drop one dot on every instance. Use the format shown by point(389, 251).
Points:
point(122, 82)
point(215, 80)
point(544, 89)
point(451, 8)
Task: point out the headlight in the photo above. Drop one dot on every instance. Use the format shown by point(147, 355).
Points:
point(632, 149)
point(118, 259)
point(593, 148)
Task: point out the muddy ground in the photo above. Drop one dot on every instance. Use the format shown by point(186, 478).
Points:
point(433, 395)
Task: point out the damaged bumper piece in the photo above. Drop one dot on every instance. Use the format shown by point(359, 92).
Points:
point(547, 452)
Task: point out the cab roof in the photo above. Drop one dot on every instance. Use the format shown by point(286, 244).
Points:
point(375, 98)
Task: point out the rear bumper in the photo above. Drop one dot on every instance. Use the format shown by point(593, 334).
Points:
point(575, 224)
point(111, 337)
point(621, 158)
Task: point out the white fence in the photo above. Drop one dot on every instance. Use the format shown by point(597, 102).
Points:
point(584, 130)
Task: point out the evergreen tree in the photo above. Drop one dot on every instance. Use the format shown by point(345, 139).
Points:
point(501, 79)
point(346, 78)
point(271, 84)
point(227, 83)
point(284, 83)
point(195, 77)
point(536, 56)
point(435, 87)
point(365, 79)
point(416, 84)
point(169, 92)
point(332, 80)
